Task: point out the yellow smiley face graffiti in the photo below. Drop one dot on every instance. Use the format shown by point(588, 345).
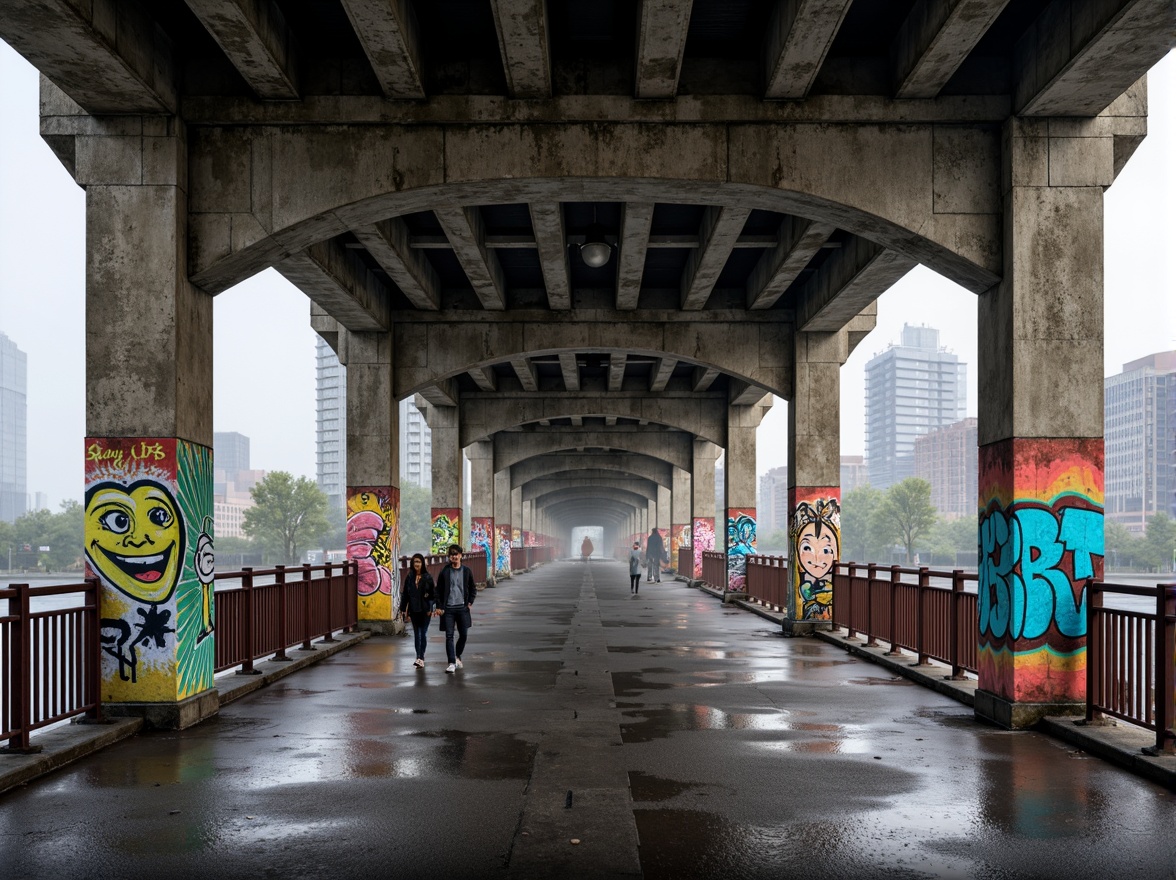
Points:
point(135, 538)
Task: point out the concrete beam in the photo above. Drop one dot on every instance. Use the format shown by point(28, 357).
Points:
point(325, 326)
point(525, 370)
point(338, 281)
point(662, 371)
point(443, 393)
point(636, 219)
point(467, 233)
point(538, 490)
point(577, 421)
point(610, 421)
point(484, 377)
point(616, 371)
point(798, 242)
point(854, 276)
point(704, 377)
point(525, 45)
point(934, 41)
point(717, 236)
point(255, 37)
point(547, 220)
point(1079, 55)
point(674, 447)
point(746, 394)
point(594, 494)
point(387, 242)
point(390, 36)
point(109, 58)
point(799, 37)
point(571, 370)
point(643, 466)
point(661, 42)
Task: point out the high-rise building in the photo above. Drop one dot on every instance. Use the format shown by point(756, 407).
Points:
point(232, 482)
point(853, 473)
point(947, 459)
point(1139, 415)
point(230, 451)
point(911, 389)
point(416, 441)
point(771, 507)
point(13, 430)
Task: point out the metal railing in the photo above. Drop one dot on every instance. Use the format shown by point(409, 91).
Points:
point(50, 661)
point(523, 558)
point(476, 562)
point(714, 569)
point(685, 562)
point(1131, 659)
point(303, 603)
point(767, 580)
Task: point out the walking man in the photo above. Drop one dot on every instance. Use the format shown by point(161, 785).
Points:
point(655, 550)
point(586, 548)
point(455, 596)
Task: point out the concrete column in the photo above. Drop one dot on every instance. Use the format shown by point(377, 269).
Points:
point(444, 422)
point(148, 448)
point(502, 523)
point(481, 456)
point(516, 517)
point(528, 523)
point(650, 515)
point(814, 480)
point(373, 475)
point(739, 487)
point(679, 516)
point(702, 507)
point(1041, 423)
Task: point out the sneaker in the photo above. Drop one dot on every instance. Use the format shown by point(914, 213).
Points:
point(419, 663)
point(451, 669)
point(458, 664)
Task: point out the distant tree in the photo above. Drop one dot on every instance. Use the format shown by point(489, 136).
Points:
point(288, 516)
point(858, 541)
point(1159, 543)
point(1122, 550)
point(61, 532)
point(774, 542)
point(947, 538)
point(416, 520)
point(905, 514)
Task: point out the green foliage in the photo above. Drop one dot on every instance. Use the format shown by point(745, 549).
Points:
point(1123, 551)
point(905, 514)
point(1159, 543)
point(947, 538)
point(859, 543)
point(774, 543)
point(288, 516)
point(62, 533)
point(416, 510)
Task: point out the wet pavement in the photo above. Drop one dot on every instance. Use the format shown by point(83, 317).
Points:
point(689, 738)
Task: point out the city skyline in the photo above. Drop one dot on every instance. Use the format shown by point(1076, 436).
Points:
point(264, 361)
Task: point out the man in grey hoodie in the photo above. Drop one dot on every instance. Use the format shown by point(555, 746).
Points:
point(635, 567)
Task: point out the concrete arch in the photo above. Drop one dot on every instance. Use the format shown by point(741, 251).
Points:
point(645, 466)
point(673, 447)
point(260, 194)
point(619, 510)
point(579, 493)
point(537, 490)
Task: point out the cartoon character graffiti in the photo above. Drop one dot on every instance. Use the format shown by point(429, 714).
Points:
point(816, 546)
point(740, 545)
point(372, 541)
point(135, 544)
point(204, 563)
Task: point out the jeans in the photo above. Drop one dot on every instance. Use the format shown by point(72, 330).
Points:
point(420, 631)
point(459, 618)
point(636, 581)
point(655, 571)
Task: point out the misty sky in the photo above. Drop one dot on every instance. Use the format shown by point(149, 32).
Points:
point(264, 348)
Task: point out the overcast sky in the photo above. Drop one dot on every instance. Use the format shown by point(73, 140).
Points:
point(264, 348)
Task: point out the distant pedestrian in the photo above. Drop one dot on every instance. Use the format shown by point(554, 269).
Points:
point(455, 596)
point(417, 601)
point(655, 551)
point(635, 568)
point(586, 548)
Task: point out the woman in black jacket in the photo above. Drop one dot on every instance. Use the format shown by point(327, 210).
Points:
point(417, 597)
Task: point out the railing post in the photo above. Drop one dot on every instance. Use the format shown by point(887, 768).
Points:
point(350, 593)
point(920, 644)
point(330, 636)
point(1165, 674)
point(1094, 647)
point(93, 658)
point(957, 590)
point(895, 577)
point(851, 633)
point(306, 616)
point(283, 608)
point(18, 607)
point(871, 636)
point(247, 584)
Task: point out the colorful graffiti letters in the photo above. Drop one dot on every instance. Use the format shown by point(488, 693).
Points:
point(502, 548)
point(740, 545)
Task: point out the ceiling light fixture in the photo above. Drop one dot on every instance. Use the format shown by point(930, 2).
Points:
point(595, 251)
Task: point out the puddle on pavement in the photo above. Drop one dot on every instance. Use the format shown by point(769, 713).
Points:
point(485, 756)
point(372, 685)
point(659, 722)
point(902, 682)
point(628, 684)
point(646, 787)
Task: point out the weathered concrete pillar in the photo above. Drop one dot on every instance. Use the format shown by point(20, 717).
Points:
point(702, 517)
point(148, 448)
point(527, 524)
point(739, 487)
point(448, 470)
point(664, 512)
point(373, 475)
point(481, 456)
point(680, 516)
point(502, 524)
point(516, 517)
point(1041, 422)
point(814, 480)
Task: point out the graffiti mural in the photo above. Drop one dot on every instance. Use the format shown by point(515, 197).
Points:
point(814, 548)
point(740, 545)
point(679, 539)
point(1041, 537)
point(502, 550)
point(482, 539)
point(373, 543)
point(446, 529)
point(702, 541)
point(149, 542)
point(516, 537)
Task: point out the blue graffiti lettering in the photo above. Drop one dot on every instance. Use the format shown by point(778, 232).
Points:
point(1082, 533)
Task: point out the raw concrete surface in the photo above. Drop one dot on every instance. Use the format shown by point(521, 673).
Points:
point(694, 740)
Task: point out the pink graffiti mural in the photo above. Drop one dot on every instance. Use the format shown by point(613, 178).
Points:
point(703, 540)
point(372, 541)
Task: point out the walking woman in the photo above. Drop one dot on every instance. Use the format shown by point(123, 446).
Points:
point(417, 597)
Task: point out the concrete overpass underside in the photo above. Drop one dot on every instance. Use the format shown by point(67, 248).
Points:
point(597, 238)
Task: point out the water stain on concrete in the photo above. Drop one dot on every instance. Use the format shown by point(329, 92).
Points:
point(646, 787)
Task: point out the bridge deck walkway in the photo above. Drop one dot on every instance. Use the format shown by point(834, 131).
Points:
point(694, 739)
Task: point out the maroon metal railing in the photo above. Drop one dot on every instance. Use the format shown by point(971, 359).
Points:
point(685, 561)
point(714, 569)
point(476, 562)
point(932, 613)
point(767, 580)
point(50, 661)
point(1131, 659)
point(302, 604)
point(523, 558)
